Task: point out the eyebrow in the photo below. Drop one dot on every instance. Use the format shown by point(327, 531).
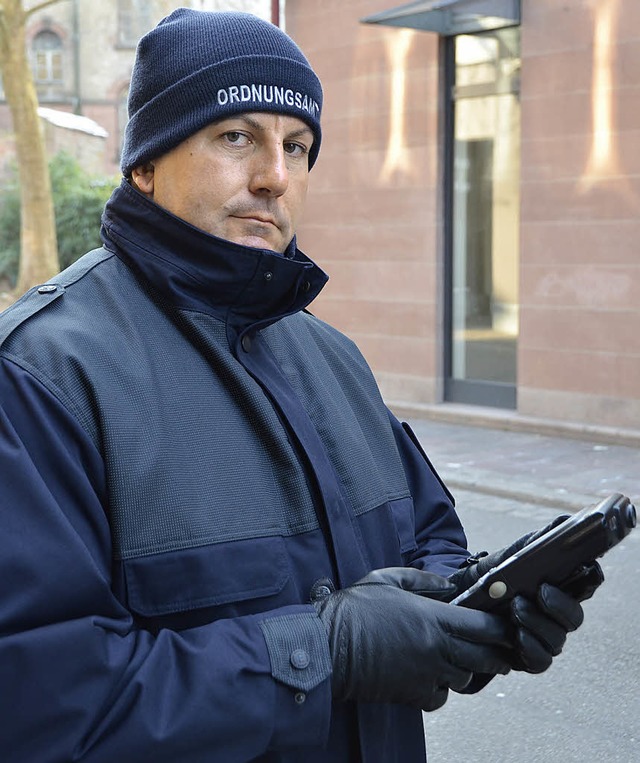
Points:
point(304, 130)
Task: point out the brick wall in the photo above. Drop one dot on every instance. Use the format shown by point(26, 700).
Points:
point(579, 349)
point(374, 220)
point(371, 220)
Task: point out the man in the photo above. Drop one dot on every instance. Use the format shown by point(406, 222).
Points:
point(218, 544)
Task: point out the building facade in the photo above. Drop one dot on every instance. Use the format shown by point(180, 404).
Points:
point(477, 199)
point(82, 53)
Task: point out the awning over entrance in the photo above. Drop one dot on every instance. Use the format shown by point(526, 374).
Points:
point(451, 17)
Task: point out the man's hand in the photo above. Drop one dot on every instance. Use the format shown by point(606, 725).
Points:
point(583, 584)
point(390, 641)
point(541, 625)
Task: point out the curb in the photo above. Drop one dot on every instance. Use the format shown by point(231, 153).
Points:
point(508, 420)
point(487, 483)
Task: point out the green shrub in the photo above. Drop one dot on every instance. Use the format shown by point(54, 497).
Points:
point(9, 229)
point(78, 201)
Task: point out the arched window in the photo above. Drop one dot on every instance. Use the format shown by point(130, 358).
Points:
point(47, 58)
point(134, 19)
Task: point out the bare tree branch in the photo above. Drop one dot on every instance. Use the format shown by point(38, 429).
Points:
point(44, 4)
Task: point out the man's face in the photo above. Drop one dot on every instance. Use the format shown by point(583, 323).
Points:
point(243, 179)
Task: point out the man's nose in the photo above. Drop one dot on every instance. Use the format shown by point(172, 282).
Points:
point(270, 173)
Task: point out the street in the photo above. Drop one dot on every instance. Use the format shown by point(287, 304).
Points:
point(585, 707)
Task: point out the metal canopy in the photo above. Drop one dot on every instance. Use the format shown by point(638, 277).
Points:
point(451, 17)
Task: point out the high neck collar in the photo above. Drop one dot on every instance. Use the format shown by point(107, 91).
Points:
point(194, 270)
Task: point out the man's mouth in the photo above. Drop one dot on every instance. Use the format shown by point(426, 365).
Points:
point(259, 219)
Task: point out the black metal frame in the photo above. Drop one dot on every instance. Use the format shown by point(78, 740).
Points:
point(473, 392)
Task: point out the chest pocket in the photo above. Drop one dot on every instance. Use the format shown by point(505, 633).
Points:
point(207, 582)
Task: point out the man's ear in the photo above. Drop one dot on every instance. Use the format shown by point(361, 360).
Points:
point(142, 177)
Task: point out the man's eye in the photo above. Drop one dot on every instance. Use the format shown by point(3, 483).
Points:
point(295, 149)
point(236, 138)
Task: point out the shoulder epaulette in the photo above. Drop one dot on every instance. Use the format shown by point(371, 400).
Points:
point(39, 297)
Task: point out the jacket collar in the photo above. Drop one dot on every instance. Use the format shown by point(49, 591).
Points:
point(246, 287)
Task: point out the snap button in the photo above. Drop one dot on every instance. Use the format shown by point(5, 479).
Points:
point(300, 697)
point(306, 286)
point(300, 659)
point(246, 342)
point(47, 288)
point(321, 589)
point(268, 275)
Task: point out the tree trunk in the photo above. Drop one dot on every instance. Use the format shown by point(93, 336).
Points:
point(38, 246)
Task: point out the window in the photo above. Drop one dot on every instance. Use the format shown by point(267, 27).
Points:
point(483, 224)
point(47, 59)
point(134, 20)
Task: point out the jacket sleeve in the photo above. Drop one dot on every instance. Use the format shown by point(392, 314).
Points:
point(441, 544)
point(80, 681)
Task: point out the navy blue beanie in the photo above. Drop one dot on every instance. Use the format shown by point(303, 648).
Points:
point(197, 67)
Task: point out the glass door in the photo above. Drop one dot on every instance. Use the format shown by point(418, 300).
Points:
point(483, 225)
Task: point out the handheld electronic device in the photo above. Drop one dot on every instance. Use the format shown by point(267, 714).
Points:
point(556, 557)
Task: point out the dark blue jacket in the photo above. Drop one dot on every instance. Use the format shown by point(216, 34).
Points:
point(184, 454)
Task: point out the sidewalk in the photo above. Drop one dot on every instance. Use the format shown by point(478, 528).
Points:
point(554, 471)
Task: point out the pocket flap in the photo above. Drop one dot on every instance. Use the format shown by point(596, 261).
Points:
point(206, 576)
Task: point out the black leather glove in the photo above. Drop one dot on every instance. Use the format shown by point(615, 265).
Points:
point(388, 644)
point(539, 629)
point(541, 626)
point(538, 632)
point(479, 564)
point(581, 586)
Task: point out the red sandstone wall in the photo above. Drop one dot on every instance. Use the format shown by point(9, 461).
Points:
point(579, 349)
point(372, 221)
